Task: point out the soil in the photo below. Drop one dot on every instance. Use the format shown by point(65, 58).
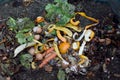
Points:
point(106, 55)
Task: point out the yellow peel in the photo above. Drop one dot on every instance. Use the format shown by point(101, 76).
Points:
point(75, 23)
point(75, 45)
point(51, 39)
point(59, 55)
point(51, 27)
point(84, 61)
point(57, 51)
point(90, 18)
point(33, 65)
point(39, 43)
point(88, 26)
point(76, 28)
point(65, 30)
point(36, 48)
point(60, 36)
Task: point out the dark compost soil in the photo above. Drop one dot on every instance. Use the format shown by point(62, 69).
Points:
point(105, 56)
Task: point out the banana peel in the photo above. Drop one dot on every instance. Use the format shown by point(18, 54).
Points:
point(76, 28)
point(60, 28)
point(24, 46)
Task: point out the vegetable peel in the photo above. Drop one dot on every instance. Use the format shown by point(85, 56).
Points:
point(76, 28)
point(60, 36)
point(22, 47)
point(58, 54)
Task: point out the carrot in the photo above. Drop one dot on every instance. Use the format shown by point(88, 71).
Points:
point(46, 60)
point(48, 51)
point(60, 36)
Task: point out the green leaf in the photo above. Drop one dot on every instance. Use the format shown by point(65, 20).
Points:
point(21, 38)
point(60, 12)
point(53, 32)
point(12, 23)
point(50, 8)
point(61, 75)
point(24, 37)
point(29, 38)
point(25, 23)
point(6, 68)
point(59, 1)
point(26, 59)
point(64, 20)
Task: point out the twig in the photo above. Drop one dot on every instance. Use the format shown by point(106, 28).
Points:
point(4, 40)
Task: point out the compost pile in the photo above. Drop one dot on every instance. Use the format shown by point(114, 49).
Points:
point(62, 43)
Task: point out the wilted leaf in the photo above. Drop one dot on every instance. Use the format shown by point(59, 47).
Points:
point(5, 68)
point(61, 75)
point(26, 59)
point(23, 38)
point(63, 20)
point(25, 24)
point(12, 23)
point(59, 1)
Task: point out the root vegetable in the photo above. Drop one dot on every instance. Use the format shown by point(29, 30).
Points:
point(46, 60)
point(48, 51)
